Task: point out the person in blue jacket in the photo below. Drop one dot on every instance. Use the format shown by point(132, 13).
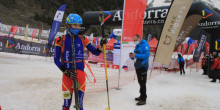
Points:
point(181, 64)
point(63, 59)
point(141, 54)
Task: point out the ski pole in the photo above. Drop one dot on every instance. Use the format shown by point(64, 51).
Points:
point(106, 76)
point(104, 49)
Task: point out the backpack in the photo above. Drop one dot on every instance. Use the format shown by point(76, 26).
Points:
point(61, 42)
point(181, 61)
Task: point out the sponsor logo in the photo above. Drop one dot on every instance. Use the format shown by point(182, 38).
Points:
point(206, 13)
point(217, 42)
point(201, 43)
point(27, 47)
point(175, 22)
point(10, 44)
point(206, 23)
point(108, 15)
point(115, 66)
point(148, 16)
point(59, 16)
point(46, 49)
point(67, 58)
point(106, 18)
point(66, 95)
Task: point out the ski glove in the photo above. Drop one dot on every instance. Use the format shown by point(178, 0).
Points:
point(103, 41)
point(70, 74)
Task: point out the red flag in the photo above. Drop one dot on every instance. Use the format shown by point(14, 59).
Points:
point(132, 24)
point(34, 33)
point(192, 47)
point(14, 29)
point(207, 46)
point(179, 48)
point(133, 19)
point(184, 48)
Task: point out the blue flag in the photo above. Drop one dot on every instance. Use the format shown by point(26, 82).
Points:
point(56, 23)
point(112, 36)
point(190, 41)
point(198, 50)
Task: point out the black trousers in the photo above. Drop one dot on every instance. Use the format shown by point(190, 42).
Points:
point(216, 74)
point(181, 68)
point(142, 80)
point(204, 69)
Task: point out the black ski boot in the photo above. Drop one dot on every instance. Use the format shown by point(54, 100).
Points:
point(137, 98)
point(141, 102)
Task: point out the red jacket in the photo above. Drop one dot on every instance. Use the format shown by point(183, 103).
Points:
point(218, 67)
point(215, 63)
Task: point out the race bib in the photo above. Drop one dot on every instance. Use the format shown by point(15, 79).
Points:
point(66, 95)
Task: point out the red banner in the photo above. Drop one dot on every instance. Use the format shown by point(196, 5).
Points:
point(192, 47)
point(34, 33)
point(207, 46)
point(95, 58)
point(179, 48)
point(133, 19)
point(95, 40)
point(14, 29)
point(184, 48)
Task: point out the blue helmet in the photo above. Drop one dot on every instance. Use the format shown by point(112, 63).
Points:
point(74, 19)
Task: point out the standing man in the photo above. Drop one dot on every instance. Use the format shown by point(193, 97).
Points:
point(64, 59)
point(215, 67)
point(204, 64)
point(181, 64)
point(141, 54)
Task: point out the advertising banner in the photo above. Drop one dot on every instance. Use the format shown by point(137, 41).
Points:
point(116, 54)
point(12, 45)
point(132, 24)
point(172, 26)
point(56, 23)
point(198, 50)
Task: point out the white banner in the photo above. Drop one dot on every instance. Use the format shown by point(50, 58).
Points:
point(21, 31)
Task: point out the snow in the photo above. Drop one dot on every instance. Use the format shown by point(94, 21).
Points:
point(31, 82)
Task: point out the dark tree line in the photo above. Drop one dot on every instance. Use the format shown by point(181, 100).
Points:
point(75, 6)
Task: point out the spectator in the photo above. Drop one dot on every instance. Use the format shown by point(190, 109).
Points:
point(181, 64)
point(215, 67)
point(204, 64)
point(141, 54)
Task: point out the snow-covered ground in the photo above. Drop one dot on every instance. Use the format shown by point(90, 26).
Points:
point(31, 83)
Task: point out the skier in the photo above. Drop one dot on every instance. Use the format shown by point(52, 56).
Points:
point(181, 64)
point(141, 54)
point(63, 59)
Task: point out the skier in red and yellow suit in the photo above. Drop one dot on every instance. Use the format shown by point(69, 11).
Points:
point(63, 59)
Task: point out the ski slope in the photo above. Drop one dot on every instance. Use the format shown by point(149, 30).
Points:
point(32, 83)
